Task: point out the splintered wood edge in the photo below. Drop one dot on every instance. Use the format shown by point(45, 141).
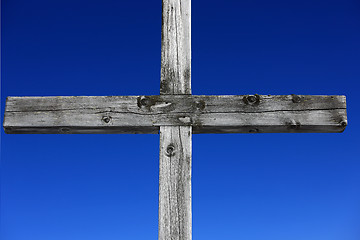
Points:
point(145, 114)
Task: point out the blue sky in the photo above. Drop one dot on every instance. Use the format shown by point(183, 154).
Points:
point(253, 187)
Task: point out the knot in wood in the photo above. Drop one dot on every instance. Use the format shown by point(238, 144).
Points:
point(170, 150)
point(251, 99)
point(295, 98)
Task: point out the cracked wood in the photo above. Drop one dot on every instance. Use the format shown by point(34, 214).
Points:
point(145, 114)
point(175, 183)
point(175, 139)
point(176, 47)
point(176, 114)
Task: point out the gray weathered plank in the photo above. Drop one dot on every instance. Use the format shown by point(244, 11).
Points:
point(175, 167)
point(145, 114)
point(176, 47)
point(175, 183)
point(174, 103)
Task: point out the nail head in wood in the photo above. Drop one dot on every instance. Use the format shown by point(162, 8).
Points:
point(296, 98)
point(343, 123)
point(170, 150)
point(144, 101)
point(106, 119)
point(251, 99)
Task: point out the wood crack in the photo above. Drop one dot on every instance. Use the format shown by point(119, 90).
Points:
point(174, 112)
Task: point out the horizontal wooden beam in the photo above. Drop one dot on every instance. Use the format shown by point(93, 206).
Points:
point(145, 114)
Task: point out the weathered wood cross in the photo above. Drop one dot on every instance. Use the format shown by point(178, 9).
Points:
point(177, 114)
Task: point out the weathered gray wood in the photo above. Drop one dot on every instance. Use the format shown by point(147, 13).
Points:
point(176, 114)
point(145, 114)
point(175, 140)
point(176, 47)
point(175, 183)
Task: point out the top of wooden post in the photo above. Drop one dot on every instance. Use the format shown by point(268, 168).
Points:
point(176, 47)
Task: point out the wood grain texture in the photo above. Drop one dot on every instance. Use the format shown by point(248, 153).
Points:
point(176, 47)
point(145, 114)
point(175, 167)
point(175, 183)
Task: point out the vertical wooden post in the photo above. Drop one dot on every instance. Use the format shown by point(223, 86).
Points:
point(175, 141)
point(175, 183)
point(176, 47)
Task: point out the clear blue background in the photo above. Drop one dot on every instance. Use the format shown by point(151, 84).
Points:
point(253, 187)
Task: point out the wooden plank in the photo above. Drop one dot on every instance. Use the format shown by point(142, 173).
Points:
point(175, 183)
point(176, 47)
point(173, 103)
point(175, 167)
point(145, 114)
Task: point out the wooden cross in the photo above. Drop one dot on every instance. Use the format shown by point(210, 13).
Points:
point(176, 114)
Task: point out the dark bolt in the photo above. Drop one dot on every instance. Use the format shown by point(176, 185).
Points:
point(251, 99)
point(343, 123)
point(106, 119)
point(170, 150)
point(145, 101)
point(296, 98)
